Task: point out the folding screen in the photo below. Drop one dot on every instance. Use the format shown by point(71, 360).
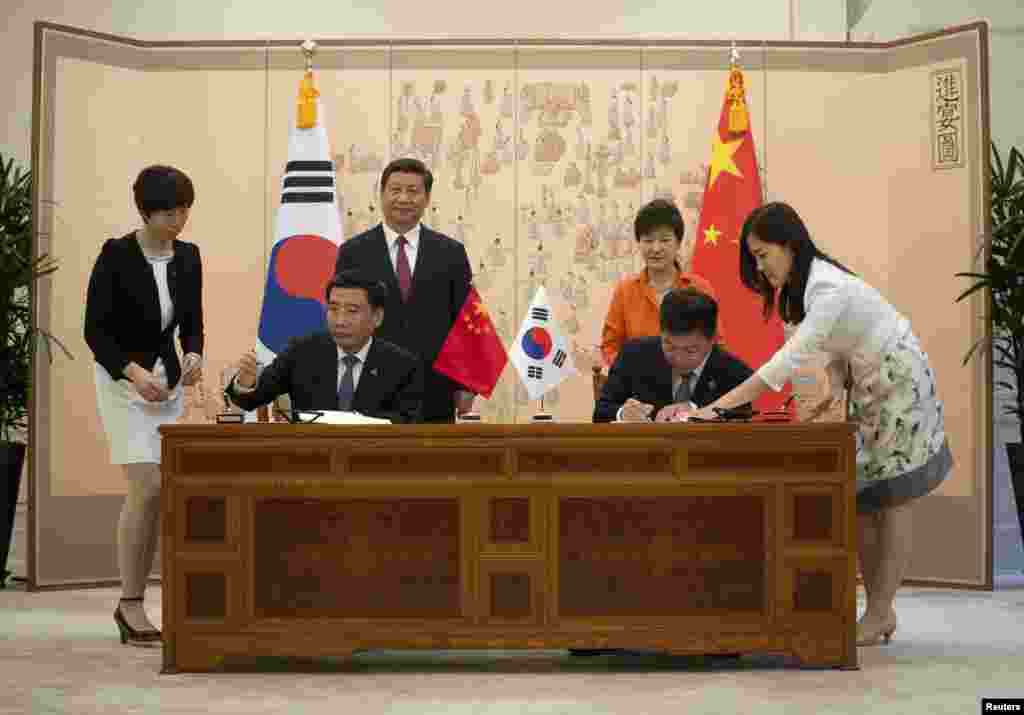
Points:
point(542, 151)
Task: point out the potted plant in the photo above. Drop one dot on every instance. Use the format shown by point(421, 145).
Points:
point(1003, 276)
point(18, 273)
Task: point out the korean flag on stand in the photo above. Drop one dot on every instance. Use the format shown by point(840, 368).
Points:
point(540, 354)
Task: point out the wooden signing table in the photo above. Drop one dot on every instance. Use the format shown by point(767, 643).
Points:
point(316, 540)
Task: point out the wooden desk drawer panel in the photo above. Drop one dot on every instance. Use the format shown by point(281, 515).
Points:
point(789, 460)
point(633, 461)
point(201, 460)
point(206, 523)
point(813, 588)
point(413, 463)
point(814, 516)
point(512, 591)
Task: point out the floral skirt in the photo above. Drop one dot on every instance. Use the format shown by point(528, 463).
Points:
point(902, 451)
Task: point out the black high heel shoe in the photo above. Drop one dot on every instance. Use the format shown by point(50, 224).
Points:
point(129, 634)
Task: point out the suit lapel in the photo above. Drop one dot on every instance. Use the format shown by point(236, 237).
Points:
point(327, 367)
point(425, 253)
point(662, 375)
point(174, 268)
point(369, 379)
point(382, 256)
point(151, 308)
point(708, 382)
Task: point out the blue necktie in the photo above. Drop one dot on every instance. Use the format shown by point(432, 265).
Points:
point(347, 388)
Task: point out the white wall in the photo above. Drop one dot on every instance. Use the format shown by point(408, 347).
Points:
point(889, 19)
point(255, 19)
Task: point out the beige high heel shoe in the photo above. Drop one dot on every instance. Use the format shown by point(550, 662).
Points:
point(880, 634)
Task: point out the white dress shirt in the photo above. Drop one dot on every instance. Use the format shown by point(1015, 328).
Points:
point(357, 369)
point(846, 319)
point(412, 248)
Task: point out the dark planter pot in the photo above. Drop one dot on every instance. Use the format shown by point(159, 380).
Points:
point(1015, 451)
point(12, 459)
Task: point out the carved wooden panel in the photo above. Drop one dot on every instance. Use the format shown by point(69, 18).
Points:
point(510, 520)
point(510, 595)
point(256, 460)
point(206, 595)
point(671, 555)
point(422, 463)
point(813, 517)
point(512, 590)
point(561, 461)
point(357, 558)
point(206, 519)
point(812, 590)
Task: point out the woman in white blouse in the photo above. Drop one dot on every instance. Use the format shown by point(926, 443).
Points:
point(902, 452)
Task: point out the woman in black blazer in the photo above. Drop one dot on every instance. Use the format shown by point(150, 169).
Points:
point(145, 286)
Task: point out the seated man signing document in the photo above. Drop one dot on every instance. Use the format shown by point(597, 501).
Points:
point(343, 369)
point(682, 366)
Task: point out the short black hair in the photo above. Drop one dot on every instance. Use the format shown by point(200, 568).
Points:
point(376, 291)
point(658, 213)
point(162, 188)
point(408, 165)
point(685, 310)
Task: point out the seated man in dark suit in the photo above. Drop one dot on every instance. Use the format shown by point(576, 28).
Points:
point(344, 368)
point(682, 367)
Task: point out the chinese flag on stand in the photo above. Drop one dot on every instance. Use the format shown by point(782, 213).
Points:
point(732, 191)
point(472, 354)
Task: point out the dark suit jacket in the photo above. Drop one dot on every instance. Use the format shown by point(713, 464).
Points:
point(122, 308)
point(440, 283)
point(390, 384)
point(642, 372)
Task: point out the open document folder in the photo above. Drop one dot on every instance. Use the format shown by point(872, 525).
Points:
point(337, 417)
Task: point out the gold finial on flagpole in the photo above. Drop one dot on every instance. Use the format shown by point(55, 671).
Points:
point(739, 122)
point(306, 109)
point(308, 50)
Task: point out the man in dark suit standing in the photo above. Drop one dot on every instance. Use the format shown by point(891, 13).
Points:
point(682, 367)
point(428, 275)
point(345, 368)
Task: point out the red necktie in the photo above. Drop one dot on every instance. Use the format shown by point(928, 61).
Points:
point(402, 270)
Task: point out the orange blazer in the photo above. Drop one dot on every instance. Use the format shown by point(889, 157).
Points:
point(633, 312)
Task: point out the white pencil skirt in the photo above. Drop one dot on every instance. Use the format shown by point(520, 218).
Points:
point(130, 421)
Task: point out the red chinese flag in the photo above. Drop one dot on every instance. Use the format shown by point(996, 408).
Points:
point(472, 354)
point(732, 191)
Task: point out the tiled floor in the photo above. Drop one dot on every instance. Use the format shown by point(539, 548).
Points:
point(59, 653)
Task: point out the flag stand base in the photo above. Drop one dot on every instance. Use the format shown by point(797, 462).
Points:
point(543, 417)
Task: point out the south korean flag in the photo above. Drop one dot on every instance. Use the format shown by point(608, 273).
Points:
point(540, 353)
